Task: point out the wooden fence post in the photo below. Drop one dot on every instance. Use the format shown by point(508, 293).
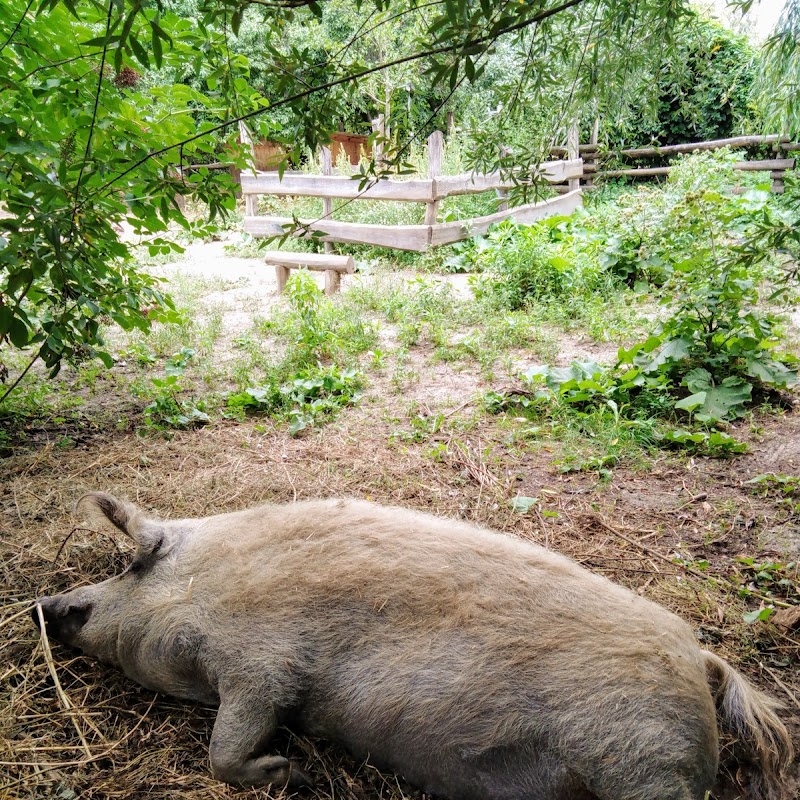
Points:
point(250, 200)
point(327, 203)
point(590, 157)
point(435, 154)
point(573, 151)
point(502, 194)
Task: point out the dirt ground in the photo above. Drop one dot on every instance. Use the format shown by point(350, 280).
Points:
point(676, 530)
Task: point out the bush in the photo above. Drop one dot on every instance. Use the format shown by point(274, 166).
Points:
point(702, 91)
point(717, 348)
point(521, 264)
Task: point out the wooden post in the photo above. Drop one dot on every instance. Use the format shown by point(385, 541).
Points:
point(435, 154)
point(250, 200)
point(591, 157)
point(281, 275)
point(502, 199)
point(573, 151)
point(332, 281)
point(451, 121)
point(327, 203)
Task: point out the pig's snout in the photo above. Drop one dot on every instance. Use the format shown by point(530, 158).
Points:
point(63, 617)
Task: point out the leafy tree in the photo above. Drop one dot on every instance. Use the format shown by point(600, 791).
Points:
point(778, 77)
point(703, 89)
point(85, 145)
point(82, 149)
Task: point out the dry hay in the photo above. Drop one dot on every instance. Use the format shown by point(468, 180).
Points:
point(70, 727)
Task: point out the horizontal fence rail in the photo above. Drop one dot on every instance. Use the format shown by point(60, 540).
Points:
point(418, 190)
point(417, 238)
point(594, 154)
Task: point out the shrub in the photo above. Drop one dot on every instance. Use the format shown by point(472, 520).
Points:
point(716, 350)
point(523, 263)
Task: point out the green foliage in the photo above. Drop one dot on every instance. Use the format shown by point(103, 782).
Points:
point(715, 349)
point(305, 300)
point(773, 579)
point(716, 444)
point(316, 327)
point(778, 73)
point(311, 396)
point(702, 88)
point(300, 388)
point(717, 342)
point(168, 408)
point(81, 150)
point(786, 488)
point(522, 264)
point(104, 106)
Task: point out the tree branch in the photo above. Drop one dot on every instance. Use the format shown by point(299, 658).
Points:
point(94, 112)
point(54, 64)
point(19, 378)
point(17, 26)
point(338, 82)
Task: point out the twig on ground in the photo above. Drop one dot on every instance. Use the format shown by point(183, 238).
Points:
point(690, 570)
point(66, 703)
point(780, 683)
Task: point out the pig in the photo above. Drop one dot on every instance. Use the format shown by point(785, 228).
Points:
point(475, 664)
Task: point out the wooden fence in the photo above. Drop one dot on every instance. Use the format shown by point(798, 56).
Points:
point(431, 191)
point(594, 155)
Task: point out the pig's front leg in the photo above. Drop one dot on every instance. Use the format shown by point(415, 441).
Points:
point(242, 732)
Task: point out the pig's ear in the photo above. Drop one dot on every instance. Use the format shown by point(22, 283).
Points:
point(131, 520)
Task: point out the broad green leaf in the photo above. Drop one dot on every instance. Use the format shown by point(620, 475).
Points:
point(692, 402)
point(761, 615)
point(726, 400)
point(771, 372)
point(698, 380)
point(523, 504)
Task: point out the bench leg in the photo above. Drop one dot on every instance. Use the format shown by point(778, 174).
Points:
point(332, 280)
point(281, 275)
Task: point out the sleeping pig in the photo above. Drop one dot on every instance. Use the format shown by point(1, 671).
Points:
point(476, 665)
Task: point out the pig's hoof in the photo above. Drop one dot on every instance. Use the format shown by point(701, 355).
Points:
point(274, 771)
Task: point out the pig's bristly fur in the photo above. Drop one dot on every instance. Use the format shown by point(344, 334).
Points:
point(479, 666)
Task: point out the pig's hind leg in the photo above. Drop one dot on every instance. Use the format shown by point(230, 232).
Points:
point(242, 732)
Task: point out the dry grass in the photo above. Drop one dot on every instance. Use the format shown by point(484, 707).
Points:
point(70, 727)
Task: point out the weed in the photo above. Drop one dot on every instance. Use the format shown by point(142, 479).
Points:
point(168, 409)
point(307, 399)
point(423, 427)
point(317, 327)
point(785, 488)
point(772, 579)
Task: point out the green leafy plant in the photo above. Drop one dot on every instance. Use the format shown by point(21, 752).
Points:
point(306, 400)
point(168, 409)
point(716, 444)
point(786, 488)
point(317, 328)
point(768, 579)
point(521, 264)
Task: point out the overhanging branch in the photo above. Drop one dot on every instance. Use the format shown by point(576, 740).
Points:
point(450, 48)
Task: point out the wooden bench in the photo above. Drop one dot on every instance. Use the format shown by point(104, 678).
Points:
point(333, 267)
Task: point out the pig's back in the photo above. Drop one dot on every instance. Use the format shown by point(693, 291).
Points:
point(427, 640)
